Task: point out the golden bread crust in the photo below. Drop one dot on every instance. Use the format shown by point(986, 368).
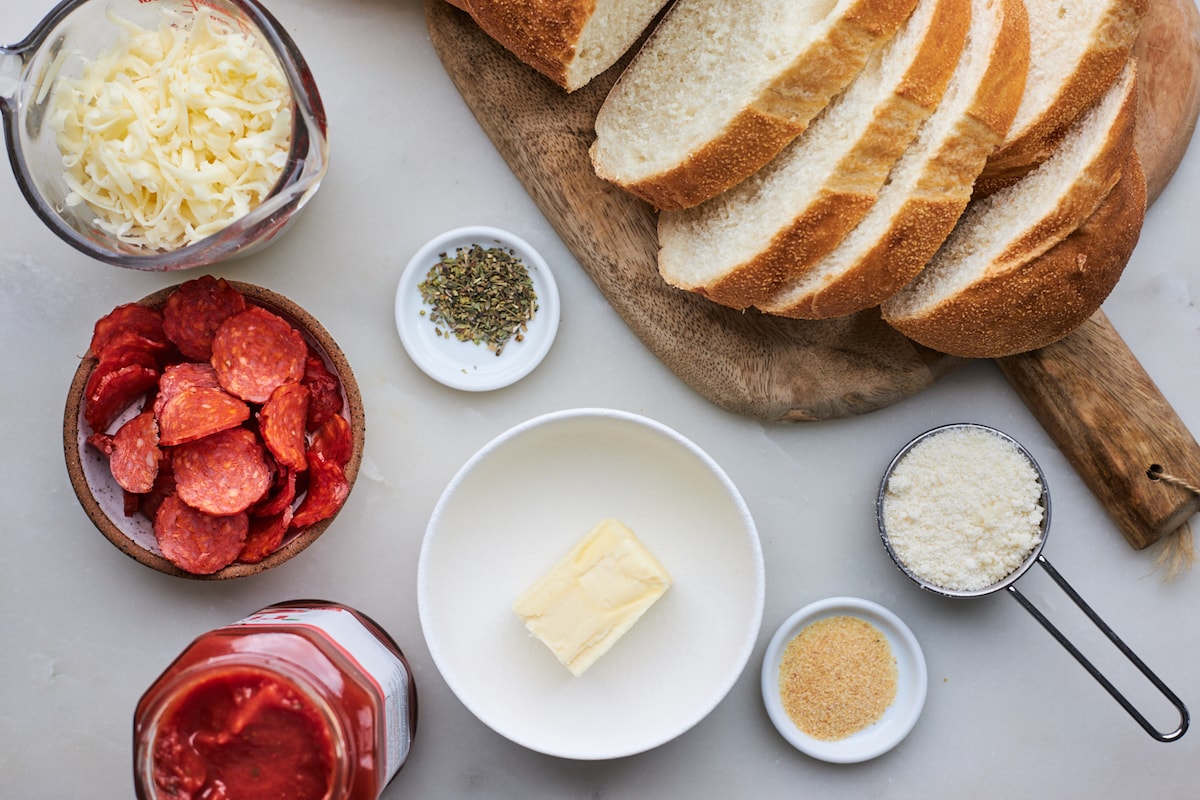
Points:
point(848, 191)
point(791, 100)
point(750, 140)
point(1089, 187)
point(1092, 76)
point(541, 33)
point(1038, 302)
point(939, 194)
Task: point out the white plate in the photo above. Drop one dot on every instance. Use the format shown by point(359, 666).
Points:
point(516, 507)
point(900, 717)
point(466, 365)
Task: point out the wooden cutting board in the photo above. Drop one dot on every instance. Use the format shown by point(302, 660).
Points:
point(777, 369)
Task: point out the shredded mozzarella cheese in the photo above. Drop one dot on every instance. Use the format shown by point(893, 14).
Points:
point(175, 133)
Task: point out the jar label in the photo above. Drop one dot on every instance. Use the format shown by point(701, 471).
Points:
point(358, 644)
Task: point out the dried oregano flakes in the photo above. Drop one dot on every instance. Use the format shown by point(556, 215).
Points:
point(483, 295)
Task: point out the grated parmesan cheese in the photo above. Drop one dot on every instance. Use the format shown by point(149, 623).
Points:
point(173, 134)
point(962, 509)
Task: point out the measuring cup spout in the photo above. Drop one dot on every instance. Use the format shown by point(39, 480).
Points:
point(11, 64)
point(1161, 736)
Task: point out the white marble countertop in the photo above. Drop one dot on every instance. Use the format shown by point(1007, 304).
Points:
point(86, 629)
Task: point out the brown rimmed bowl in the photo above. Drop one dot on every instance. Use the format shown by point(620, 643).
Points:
point(103, 500)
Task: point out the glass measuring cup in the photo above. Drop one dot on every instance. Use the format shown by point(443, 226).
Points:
point(1008, 583)
point(79, 30)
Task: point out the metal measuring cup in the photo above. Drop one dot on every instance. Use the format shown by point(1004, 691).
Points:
point(1008, 583)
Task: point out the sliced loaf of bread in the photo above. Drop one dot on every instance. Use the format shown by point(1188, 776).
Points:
point(1055, 293)
point(741, 245)
point(976, 296)
point(720, 87)
point(1077, 49)
point(568, 41)
point(930, 185)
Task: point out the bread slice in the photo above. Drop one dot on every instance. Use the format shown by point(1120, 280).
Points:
point(738, 247)
point(1077, 49)
point(568, 41)
point(720, 86)
point(982, 294)
point(1055, 293)
point(930, 185)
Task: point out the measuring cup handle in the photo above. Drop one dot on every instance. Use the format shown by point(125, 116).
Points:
point(1091, 668)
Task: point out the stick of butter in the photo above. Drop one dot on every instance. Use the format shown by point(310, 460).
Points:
point(593, 595)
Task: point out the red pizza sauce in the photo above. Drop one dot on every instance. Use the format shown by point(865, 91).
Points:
point(308, 700)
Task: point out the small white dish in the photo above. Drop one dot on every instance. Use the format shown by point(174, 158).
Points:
point(515, 508)
point(897, 720)
point(465, 365)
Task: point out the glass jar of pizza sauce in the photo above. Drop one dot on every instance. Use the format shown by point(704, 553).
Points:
point(306, 699)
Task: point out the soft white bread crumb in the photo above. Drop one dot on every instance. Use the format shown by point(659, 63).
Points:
point(738, 247)
point(931, 184)
point(722, 85)
point(999, 234)
point(1077, 49)
point(612, 28)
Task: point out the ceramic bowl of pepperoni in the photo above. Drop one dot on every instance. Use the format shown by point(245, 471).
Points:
point(213, 429)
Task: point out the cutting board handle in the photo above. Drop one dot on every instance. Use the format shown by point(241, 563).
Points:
point(1114, 426)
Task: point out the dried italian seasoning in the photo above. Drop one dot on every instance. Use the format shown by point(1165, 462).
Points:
point(480, 294)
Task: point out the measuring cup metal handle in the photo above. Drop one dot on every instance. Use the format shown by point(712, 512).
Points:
point(1091, 668)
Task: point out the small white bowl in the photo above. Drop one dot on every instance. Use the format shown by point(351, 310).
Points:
point(897, 720)
point(465, 365)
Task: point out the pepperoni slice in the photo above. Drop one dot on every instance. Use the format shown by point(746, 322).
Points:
point(265, 536)
point(197, 542)
point(195, 310)
point(221, 474)
point(334, 440)
point(187, 373)
point(124, 320)
point(279, 496)
point(177, 377)
point(281, 424)
point(254, 352)
point(198, 411)
point(131, 347)
point(325, 390)
point(135, 456)
point(102, 442)
point(105, 367)
point(164, 486)
point(327, 491)
point(111, 391)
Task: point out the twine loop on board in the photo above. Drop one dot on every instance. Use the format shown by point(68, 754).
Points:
point(1177, 551)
